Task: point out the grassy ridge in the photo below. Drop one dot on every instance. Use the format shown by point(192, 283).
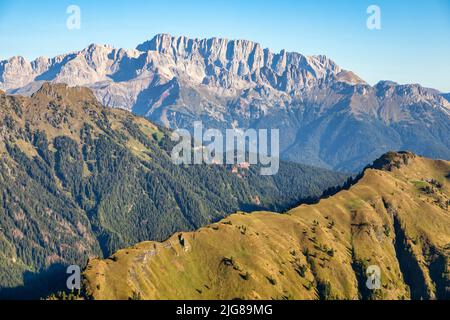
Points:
point(316, 251)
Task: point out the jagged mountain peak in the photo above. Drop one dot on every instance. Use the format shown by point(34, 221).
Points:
point(350, 78)
point(97, 46)
point(175, 80)
point(163, 41)
point(411, 94)
point(214, 62)
point(386, 83)
point(18, 59)
point(240, 54)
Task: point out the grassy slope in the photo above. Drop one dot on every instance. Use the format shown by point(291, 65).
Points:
point(387, 219)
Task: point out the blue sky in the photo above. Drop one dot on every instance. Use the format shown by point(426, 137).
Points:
point(413, 45)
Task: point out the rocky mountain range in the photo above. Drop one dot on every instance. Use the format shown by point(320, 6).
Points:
point(327, 116)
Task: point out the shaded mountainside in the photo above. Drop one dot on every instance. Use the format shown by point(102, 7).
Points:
point(396, 216)
point(446, 96)
point(328, 116)
point(80, 180)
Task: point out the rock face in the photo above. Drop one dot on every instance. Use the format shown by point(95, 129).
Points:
point(327, 116)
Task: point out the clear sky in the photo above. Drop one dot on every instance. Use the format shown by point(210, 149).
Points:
point(413, 45)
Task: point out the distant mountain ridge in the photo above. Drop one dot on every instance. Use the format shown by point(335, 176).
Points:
point(328, 116)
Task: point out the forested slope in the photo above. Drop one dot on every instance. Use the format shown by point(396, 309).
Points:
point(79, 180)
